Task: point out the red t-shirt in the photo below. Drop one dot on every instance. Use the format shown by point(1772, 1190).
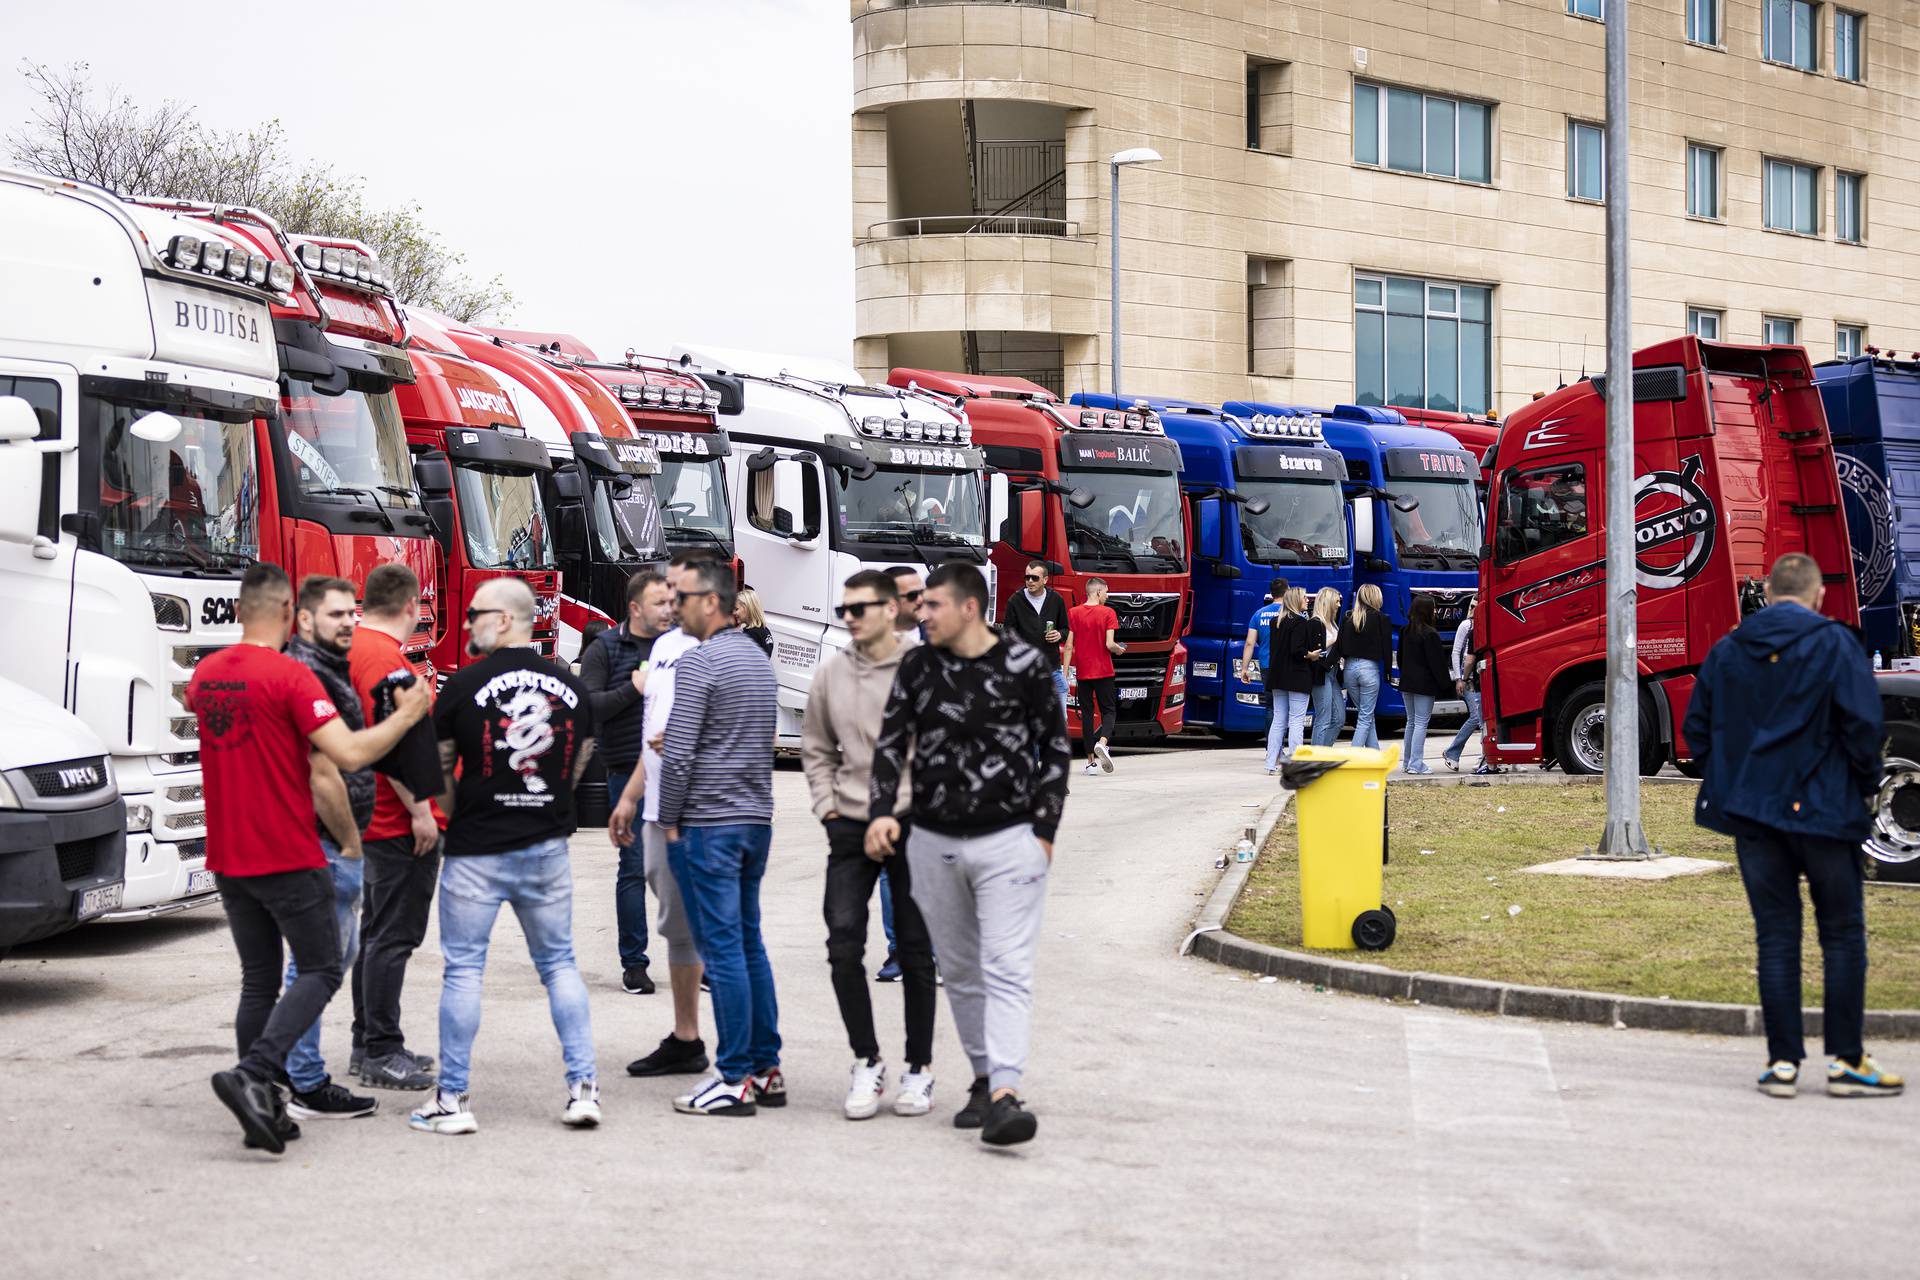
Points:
point(376, 655)
point(1090, 624)
point(256, 708)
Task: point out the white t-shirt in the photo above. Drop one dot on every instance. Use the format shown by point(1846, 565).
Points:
point(658, 705)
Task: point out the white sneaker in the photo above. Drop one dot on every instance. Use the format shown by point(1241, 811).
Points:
point(713, 1096)
point(583, 1105)
point(1103, 755)
point(1091, 770)
point(915, 1096)
point(444, 1112)
point(869, 1081)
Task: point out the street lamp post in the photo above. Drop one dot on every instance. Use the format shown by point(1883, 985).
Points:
point(1133, 155)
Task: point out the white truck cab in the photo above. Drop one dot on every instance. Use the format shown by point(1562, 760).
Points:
point(830, 476)
point(142, 345)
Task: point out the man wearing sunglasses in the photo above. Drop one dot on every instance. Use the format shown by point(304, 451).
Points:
point(844, 708)
point(913, 607)
point(1038, 615)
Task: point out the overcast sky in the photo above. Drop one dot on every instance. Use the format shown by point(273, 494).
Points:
point(641, 172)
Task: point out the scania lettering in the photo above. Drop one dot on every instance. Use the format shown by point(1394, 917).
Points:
point(1733, 468)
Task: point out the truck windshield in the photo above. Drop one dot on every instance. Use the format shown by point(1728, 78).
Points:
point(693, 500)
point(1132, 525)
point(347, 445)
point(1443, 532)
point(626, 519)
point(1305, 522)
point(909, 505)
point(192, 503)
point(503, 519)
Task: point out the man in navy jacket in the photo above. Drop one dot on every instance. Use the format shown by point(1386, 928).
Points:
point(1785, 721)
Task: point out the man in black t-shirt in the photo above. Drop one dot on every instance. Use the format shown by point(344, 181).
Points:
point(516, 731)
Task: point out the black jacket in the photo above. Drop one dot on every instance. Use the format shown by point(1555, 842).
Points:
point(1373, 642)
point(1030, 624)
point(1425, 664)
point(607, 668)
point(1294, 638)
point(335, 678)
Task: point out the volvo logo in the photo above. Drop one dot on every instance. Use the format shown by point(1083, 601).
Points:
point(1674, 526)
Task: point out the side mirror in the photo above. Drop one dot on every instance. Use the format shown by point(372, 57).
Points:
point(20, 473)
point(439, 509)
point(796, 497)
point(433, 473)
point(1405, 504)
point(1026, 525)
point(18, 421)
point(758, 462)
point(1257, 506)
point(1212, 536)
point(569, 486)
point(1055, 568)
point(1374, 564)
point(156, 428)
point(1362, 526)
point(1222, 570)
point(783, 522)
point(999, 499)
point(570, 526)
point(1081, 499)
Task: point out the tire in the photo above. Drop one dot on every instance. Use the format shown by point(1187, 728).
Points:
point(1893, 846)
point(1580, 733)
point(1374, 930)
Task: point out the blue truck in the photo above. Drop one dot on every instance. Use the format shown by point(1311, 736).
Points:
point(1265, 493)
point(1873, 411)
point(1416, 519)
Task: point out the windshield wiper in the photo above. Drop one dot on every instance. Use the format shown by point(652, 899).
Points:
point(399, 492)
point(880, 535)
point(934, 538)
point(691, 531)
point(1109, 544)
point(355, 492)
point(229, 557)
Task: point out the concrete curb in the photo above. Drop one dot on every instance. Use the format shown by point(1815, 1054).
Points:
point(1211, 940)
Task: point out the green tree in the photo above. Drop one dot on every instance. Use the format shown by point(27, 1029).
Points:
point(106, 138)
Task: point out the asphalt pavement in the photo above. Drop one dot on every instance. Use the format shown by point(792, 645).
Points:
point(1193, 1121)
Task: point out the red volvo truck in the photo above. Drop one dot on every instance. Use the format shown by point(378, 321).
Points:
point(1096, 494)
point(1733, 468)
point(482, 477)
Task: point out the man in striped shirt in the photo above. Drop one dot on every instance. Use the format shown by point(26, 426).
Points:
point(716, 806)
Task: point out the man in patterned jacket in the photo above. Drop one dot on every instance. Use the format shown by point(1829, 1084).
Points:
point(977, 714)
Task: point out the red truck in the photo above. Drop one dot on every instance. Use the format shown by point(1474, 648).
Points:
point(1096, 493)
point(1733, 468)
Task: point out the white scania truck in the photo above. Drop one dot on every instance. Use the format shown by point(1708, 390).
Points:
point(144, 345)
point(830, 476)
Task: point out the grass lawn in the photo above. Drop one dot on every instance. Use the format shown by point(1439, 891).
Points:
point(1689, 939)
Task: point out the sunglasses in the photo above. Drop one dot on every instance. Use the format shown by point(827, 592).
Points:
point(911, 597)
point(474, 615)
point(1034, 577)
point(681, 597)
point(857, 609)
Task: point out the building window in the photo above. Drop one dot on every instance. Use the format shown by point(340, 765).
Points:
point(1703, 181)
point(1703, 21)
point(1269, 318)
point(1849, 340)
point(1793, 34)
point(1422, 133)
point(1779, 331)
point(1792, 197)
point(1850, 207)
point(1424, 344)
point(1849, 45)
point(1586, 8)
point(1586, 161)
point(1704, 323)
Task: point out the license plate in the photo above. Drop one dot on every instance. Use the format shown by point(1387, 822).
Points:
point(99, 900)
point(199, 882)
point(1132, 695)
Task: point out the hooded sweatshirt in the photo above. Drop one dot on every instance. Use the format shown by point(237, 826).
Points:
point(1785, 721)
point(844, 709)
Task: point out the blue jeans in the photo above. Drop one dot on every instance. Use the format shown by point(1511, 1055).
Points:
point(1771, 866)
point(305, 1067)
point(1290, 719)
point(886, 909)
point(630, 885)
point(1473, 725)
point(1329, 711)
point(1060, 689)
point(1419, 712)
point(719, 870)
point(1363, 686)
point(537, 883)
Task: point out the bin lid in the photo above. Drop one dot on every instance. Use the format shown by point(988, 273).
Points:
point(1295, 774)
point(1382, 758)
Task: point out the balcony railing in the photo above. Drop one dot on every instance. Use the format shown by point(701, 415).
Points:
point(974, 224)
point(1009, 171)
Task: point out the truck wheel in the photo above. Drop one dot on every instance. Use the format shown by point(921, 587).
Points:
point(1893, 846)
point(1581, 733)
point(1374, 930)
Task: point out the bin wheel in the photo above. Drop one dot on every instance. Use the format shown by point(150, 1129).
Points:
point(1374, 930)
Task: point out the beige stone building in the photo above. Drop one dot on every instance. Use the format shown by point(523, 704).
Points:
point(1373, 199)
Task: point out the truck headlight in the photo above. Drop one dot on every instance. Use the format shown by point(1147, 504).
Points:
point(139, 816)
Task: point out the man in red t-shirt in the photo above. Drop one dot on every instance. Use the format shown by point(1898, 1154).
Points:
point(267, 727)
point(402, 841)
point(1090, 650)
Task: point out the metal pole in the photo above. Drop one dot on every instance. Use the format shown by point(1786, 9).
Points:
point(1623, 837)
point(1114, 280)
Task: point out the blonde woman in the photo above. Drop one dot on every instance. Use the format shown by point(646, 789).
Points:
point(749, 617)
point(1366, 648)
point(1328, 705)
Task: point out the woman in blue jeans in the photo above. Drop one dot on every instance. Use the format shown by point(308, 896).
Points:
point(1329, 707)
point(1289, 679)
point(1425, 676)
point(1365, 648)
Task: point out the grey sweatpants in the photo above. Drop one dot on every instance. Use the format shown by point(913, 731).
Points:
point(671, 923)
point(982, 897)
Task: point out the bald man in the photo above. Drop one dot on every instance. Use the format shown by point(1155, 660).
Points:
point(516, 731)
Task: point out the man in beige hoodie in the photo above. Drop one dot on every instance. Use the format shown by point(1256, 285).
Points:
point(844, 710)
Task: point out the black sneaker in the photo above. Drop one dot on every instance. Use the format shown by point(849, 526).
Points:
point(355, 1061)
point(396, 1071)
point(674, 1057)
point(635, 982)
point(974, 1114)
point(330, 1101)
point(282, 1125)
point(255, 1104)
point(1008, 1122)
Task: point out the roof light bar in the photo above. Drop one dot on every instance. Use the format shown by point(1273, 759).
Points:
point(345, 266)
point(213, 258)
point(1294, 426)
point(1138, 418)
point(652, 395)
point(945, 430)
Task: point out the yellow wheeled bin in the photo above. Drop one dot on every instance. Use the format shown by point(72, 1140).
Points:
point(1341, 802)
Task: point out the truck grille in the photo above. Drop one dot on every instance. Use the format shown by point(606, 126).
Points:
point(77, 858)
point(68, 777)
point(191, 848)
point(1145, 616)
point(1133, 671)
